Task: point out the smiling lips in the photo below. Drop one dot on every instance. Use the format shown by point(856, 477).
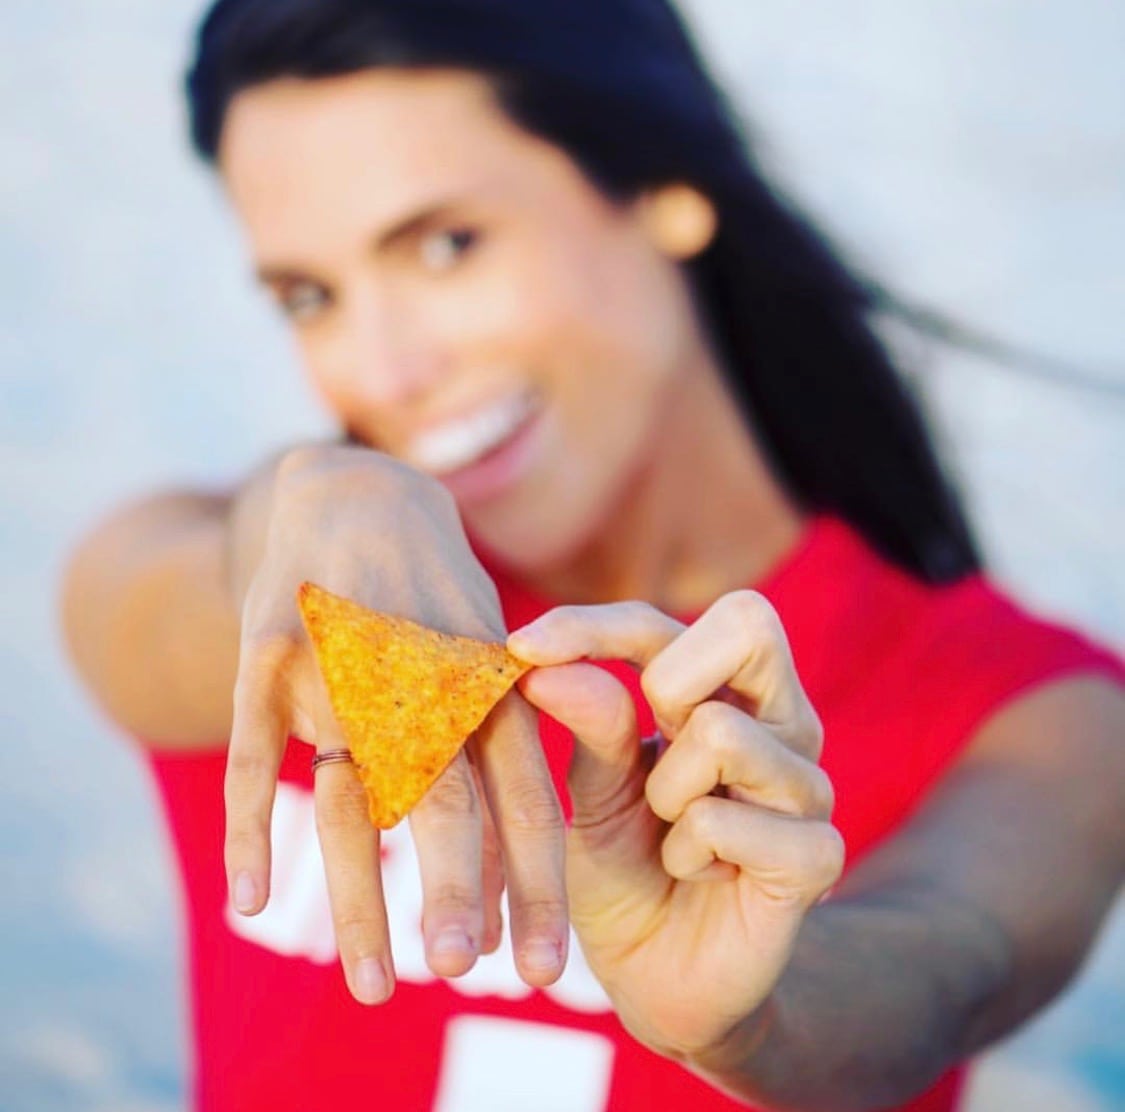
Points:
point(457, 444)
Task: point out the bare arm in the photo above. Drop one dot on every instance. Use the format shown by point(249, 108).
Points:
point(972, 918)
point(150, 614)
point(698, 910)
point(181, 614)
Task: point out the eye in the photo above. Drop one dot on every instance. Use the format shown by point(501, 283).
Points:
point(441, 250)
point(302, 301)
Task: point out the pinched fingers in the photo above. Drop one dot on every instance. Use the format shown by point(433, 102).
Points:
point(792, 860)
point(720, 746)
point(738, 644)
point(349, 844)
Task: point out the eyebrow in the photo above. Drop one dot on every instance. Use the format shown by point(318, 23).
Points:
point(408, 226)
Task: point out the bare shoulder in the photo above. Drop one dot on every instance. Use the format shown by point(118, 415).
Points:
point(147, 620)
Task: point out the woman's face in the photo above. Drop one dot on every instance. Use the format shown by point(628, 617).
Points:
point(463, 297)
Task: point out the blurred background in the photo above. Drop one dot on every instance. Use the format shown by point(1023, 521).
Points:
point(972, 152)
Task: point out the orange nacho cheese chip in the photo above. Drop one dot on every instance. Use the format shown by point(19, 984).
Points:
point(406, 697)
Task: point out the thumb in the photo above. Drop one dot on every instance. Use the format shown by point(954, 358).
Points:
point(606, 772)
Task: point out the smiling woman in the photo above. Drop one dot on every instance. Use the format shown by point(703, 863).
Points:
point(600, 383)
point(536, 373)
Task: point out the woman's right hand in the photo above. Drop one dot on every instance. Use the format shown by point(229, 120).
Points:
point(367, 527)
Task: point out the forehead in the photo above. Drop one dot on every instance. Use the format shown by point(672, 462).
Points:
point(375, 145)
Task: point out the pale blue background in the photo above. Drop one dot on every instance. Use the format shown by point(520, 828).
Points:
point(971, 150)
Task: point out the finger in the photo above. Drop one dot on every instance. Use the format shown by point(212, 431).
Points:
point(258, 738)
point(529, 824)
point(446, 826)
point(789, 859)
point(349, 844)
point(492, 875)
point(722, 746)
point(604, 775)
point(633, 631)
point(738, 643)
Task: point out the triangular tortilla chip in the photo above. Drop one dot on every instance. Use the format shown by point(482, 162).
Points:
point(406, 697)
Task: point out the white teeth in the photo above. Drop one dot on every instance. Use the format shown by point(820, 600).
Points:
point(453, 445)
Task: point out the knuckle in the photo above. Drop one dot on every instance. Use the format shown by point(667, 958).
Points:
point(246, 765)
point(635, 612)
point(355, 926)
point(450, 897)
point(622, 717)
point(539, 913)
point(812, 730)
point(658, 684)
point(652, 686)
point(699, 820)
point(827, 854)
point(451, 795)
point(264, 654)
point(655, 795)
point(821, 794)
point(530, 807)
point(305, 474)
point(245, 843)
point(751, 610)
point(566, 621)
point(715, 725)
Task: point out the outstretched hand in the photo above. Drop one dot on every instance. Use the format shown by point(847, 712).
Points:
point(692, 857)
point(375, 531)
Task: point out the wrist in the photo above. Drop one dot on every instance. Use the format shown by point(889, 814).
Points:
point(729, 1063)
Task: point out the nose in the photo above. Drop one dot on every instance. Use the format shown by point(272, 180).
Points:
point(386, 356)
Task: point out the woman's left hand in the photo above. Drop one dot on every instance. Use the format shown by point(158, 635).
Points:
point(692, 858)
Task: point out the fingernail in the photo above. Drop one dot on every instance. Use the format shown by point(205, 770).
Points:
point(245, 893)
point(452, 940)
point(370, 981)
point(525, 640)
point(541, 954)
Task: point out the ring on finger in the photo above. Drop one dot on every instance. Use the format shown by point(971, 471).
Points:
point(331, 756)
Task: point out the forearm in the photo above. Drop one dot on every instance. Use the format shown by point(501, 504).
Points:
point(150, 607)
point(961, 926)
point(146, 618)
point(883, 994)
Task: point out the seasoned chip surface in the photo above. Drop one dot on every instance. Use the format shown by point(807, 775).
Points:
point(406, 697)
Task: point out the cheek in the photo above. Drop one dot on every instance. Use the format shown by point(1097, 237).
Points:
point(523, 299)
point(627, 302)
point(323, 371)
point(330, 370)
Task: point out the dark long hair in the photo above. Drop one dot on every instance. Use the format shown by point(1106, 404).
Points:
point(619, 85)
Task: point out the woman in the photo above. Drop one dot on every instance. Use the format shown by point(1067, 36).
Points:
point(535, 275)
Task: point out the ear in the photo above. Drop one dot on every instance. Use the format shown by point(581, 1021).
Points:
point(679, 220)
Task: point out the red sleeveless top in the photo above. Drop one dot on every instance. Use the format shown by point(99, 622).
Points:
point(901, 673)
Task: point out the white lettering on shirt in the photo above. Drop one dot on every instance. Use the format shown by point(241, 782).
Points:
point(490, 1064)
